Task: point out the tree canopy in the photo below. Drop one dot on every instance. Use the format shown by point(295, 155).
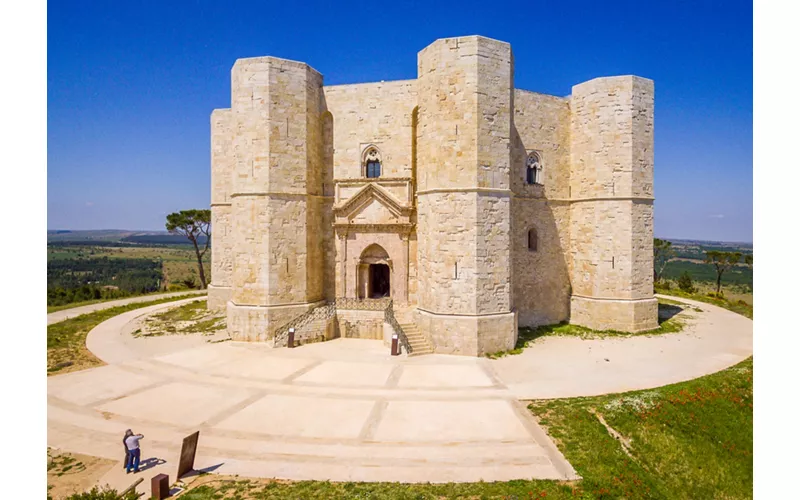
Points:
point(193, 224)
point(722, 261)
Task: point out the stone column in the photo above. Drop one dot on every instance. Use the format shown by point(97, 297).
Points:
point(611, 209)
point(277, 183)
point(219, 290)
point(465, 90)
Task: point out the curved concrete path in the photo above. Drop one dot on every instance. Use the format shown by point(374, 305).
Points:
point(55, 317)
point(565, 367)
point(345, 410)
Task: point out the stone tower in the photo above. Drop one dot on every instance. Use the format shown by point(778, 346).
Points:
point(611, 191)
point(275, 192)
point(465, 92)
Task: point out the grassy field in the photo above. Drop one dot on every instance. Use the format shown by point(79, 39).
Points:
point(178, 262)
point(66, 340)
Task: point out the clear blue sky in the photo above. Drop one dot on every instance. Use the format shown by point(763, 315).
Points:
point(131, 86)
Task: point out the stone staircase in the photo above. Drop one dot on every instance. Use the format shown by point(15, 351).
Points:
point(419, 344)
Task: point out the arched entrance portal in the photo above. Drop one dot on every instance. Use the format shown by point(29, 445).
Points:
point(374, 273)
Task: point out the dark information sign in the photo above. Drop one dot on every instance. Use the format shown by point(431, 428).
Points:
point(188, 451)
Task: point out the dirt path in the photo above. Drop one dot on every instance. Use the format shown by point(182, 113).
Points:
point(55, 317)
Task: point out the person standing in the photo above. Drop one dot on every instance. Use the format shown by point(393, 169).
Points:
point(132, 444)
point(128, 433)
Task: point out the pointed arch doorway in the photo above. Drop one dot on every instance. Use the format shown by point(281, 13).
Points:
point(374, 273)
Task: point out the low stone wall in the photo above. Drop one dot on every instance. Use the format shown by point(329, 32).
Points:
point(318, 330)
point(360, 324)
point(218, 297)
point(634, 315)
point(469, 335)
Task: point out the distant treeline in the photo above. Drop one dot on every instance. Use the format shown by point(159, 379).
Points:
point(700, 253)
point(739, 275)
point(163, 239)
point(167, 240)
point(75, 280)
point(90, 243)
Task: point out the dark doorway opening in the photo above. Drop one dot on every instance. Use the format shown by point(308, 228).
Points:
point(379, 281)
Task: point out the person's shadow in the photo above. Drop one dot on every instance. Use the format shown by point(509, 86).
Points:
point(149, 463)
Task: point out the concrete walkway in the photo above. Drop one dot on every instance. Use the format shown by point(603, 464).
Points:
point(343, 410)
point(55, 317)
point(346, 410)
point(566, 367)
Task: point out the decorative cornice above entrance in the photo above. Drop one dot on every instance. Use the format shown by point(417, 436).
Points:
point(372, 191)
point(343, 229)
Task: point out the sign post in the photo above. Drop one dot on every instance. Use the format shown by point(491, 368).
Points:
point(188, 452)
point(291, 338)
point(395, 347)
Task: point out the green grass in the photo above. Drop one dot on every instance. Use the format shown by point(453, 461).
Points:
point(66, 340)
point(190, 318)
point(186, 312)
point(98, 493)
point(739, 306)
point(688, 440)
point(60, 465)
point(668, 322)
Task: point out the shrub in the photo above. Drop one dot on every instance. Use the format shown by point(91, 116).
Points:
point(685, 283)
point(102, 494)
point(665, 284)
point(715, 295)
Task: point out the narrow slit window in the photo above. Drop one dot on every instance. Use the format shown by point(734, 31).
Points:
point(533, 240)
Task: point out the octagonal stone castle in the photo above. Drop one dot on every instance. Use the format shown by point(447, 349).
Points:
point(451, 209)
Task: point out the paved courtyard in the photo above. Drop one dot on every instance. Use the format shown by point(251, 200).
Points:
point(346, 410)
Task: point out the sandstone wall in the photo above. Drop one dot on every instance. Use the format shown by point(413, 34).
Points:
point(219, 290)
point(276, 195)
point(356, 324)
point(540, 280)
point(464, 199)
point(611, 212)
point(371, 113)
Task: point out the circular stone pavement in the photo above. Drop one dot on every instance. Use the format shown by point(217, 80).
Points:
point(345, 410)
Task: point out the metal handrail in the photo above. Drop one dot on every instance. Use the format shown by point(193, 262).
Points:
point(388, 317)
point(328, 310)
point(320, 312)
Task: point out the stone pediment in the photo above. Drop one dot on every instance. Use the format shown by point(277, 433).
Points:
point(373, 205)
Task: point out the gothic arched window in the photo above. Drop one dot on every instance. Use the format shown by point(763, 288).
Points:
point(533, 240)
point(371, 162)
point(533, 170)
